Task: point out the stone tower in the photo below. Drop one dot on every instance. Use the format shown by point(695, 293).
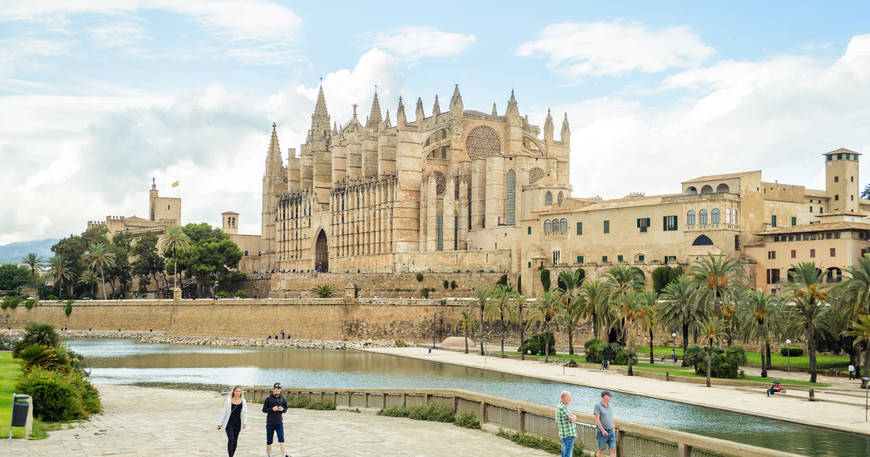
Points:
point(841, 180)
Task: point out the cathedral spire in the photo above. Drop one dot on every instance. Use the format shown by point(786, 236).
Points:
point(274, 163)
point(436, 109)
point(513, 112)
point(419, 111)
point(456, 101)
point(320, 118)
point(375, 116)
point(548, 128)
point(566, 131)
point(494, 111)
point(401, 119)
point(387, 120)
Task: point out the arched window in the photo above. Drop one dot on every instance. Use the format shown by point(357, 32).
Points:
point(735, 216)
point(707, 189)
point(548, 199)
point(722, 188)
point(510, 196)
point(563, 225)
point(714, 215)
point(702, 240)
point(690, 217)
point(440, 230)
point(727, 215)
point(702, 217)
point(691, 190)
point(559, 198)
point(547, 226)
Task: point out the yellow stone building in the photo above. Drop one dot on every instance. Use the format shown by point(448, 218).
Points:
point(768, 226)
point(442, 192)
point(163, 212)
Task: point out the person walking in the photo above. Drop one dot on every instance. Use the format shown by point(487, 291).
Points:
point(274, 406)
point(851, 372)
point(234, 417)
point(605, 425)
point(565, 421)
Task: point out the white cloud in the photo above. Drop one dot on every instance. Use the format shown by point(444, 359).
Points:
point(413, 43)
point(615, 48)
point(117, 34)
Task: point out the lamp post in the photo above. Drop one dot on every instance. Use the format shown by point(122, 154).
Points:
point(788, 352)
point(865, 379)
point(674, 336)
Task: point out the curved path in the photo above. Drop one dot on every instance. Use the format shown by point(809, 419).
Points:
point(840, 406)
point(141, 421)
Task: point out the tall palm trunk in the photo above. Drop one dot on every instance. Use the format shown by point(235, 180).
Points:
point(103, 278)
point(763, 364)
point(501, 318)
point(595, 325)
point(811, 348)
point(481, 330)
point(465, 334)
point(769, 360)
point(546, 341)
point(685, 342)
point(522, 327)
point(570, 339)
point(651, 357)
point(709, 361)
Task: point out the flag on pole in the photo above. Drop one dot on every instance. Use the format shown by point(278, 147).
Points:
point(175, 184)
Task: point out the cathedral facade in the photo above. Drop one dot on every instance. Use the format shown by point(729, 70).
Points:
point(444, 192)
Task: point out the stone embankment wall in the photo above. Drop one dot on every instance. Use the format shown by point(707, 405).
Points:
point(387, 285)
point(300, 319)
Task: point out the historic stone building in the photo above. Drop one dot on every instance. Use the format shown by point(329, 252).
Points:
point(163, 212)
point(443, 192)
point(768, 225)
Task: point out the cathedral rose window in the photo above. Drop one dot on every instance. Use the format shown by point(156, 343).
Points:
point(482, 142)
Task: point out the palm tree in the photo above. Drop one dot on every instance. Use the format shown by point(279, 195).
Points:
point(720, 282)
point(60, 272)
point(39, 333)
point(325, 291)
point(545, 309)
point(651, 318)
point(631, 307)
point(680, 308)
point(98, 256)
point(861, 331)
point(760, 314)
point(173, 241)
point(854, 293)
point(713, 327)
point(90, 279)
point(481, 297)
point(573, 304)
point(622, 279)
point(518, 301)
point(33, 261)
point(467, 323)
point(498, 305)
point(806, 292)
point(596, 299)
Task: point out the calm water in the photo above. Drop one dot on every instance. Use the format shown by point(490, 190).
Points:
point(127, 362)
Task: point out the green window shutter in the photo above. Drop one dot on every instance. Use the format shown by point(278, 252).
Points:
point(676, 222)
point(604, 258)
point(530, 264)
point(665, 223)
point(529, 230)
point(793, 221)
point(619, 258)
point(773, 221)
point(579, 228)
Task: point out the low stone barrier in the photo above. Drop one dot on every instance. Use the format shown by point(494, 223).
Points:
point(632, 439)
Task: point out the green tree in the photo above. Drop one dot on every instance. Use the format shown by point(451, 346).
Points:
point(148, 262)
point(720, 282)
point(481, 298)
point(211, 254)
point(518, 302)
point(545, 279)
point(173, 241)
point(32, 261)
point(544, 309)
point(713, 327)
point(90, 279)
point(466, 323)
point(596, 301)
point(39, 333)
point(680, 309)
point(13, 277)
point(860, 329)
point(806, 291)
point(631, 307)
point(865, 194)
point(498, 307)
point(122, 271)
point(98, 256)
point(854, 295)
point(325, 291)
point(760, 315)
point(651, 318)
point(573, 304)
point(60, 272)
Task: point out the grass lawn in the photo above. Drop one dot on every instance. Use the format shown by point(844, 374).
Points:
point(10, 373)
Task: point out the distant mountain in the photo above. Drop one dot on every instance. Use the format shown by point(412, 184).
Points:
point(13, 252)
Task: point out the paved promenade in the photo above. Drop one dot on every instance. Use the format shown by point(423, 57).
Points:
point(140, 421)
point(840, 406)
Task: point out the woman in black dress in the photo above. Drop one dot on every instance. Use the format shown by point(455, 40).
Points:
point(234, 418)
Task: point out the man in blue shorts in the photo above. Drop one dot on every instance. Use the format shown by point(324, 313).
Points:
point(605, 425)
point(274, 406)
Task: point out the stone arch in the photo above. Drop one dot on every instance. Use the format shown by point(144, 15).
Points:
point(547, 226)
point(482, 142)
point(714, 216)
point(702, 217)
point(560, 198)
point(723, 188)
point(833, 275)
point(563, 225)
point(548, 198)
point(535, 175)
point(321, 253)
point(690, 217)
point(707, 189)
point(691, 190)
point(702, 240)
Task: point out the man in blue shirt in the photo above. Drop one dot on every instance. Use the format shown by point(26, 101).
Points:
point(605, 425)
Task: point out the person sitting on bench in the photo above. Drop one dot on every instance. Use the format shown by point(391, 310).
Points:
point(776, 387)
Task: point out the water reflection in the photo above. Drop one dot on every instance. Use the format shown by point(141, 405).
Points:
point(126, 362)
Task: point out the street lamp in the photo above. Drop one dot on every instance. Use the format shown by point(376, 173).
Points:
point(788, 352)
point(674, 336)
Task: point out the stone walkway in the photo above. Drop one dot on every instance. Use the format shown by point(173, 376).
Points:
point(139, 421)
point(839, 406)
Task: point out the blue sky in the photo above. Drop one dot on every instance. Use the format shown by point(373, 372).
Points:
point(98, 97)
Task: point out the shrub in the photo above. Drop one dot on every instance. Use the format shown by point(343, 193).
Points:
point(419, 277)
point(594, 348)
point(545, 279)
point(4, 304)
point(537, 442)
point(222, 294)
point(44, 357)
point(60, 395)
point(68, 308)
point(37, 333)
point(7, 342)
point(453, 285)
point(325, 291)
point(400, 343)
point(467, 420)
point(432, 412)
point(503, 280)
point(51, 297)
point(425, 292)
point(30, 303)
point(536, 344)
point(446, 284)
point(321, 405)
point(298, 401)
point(14, 301)
point(396, 411)
point(242, 294)
point(725, 363)
point(792, 351)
